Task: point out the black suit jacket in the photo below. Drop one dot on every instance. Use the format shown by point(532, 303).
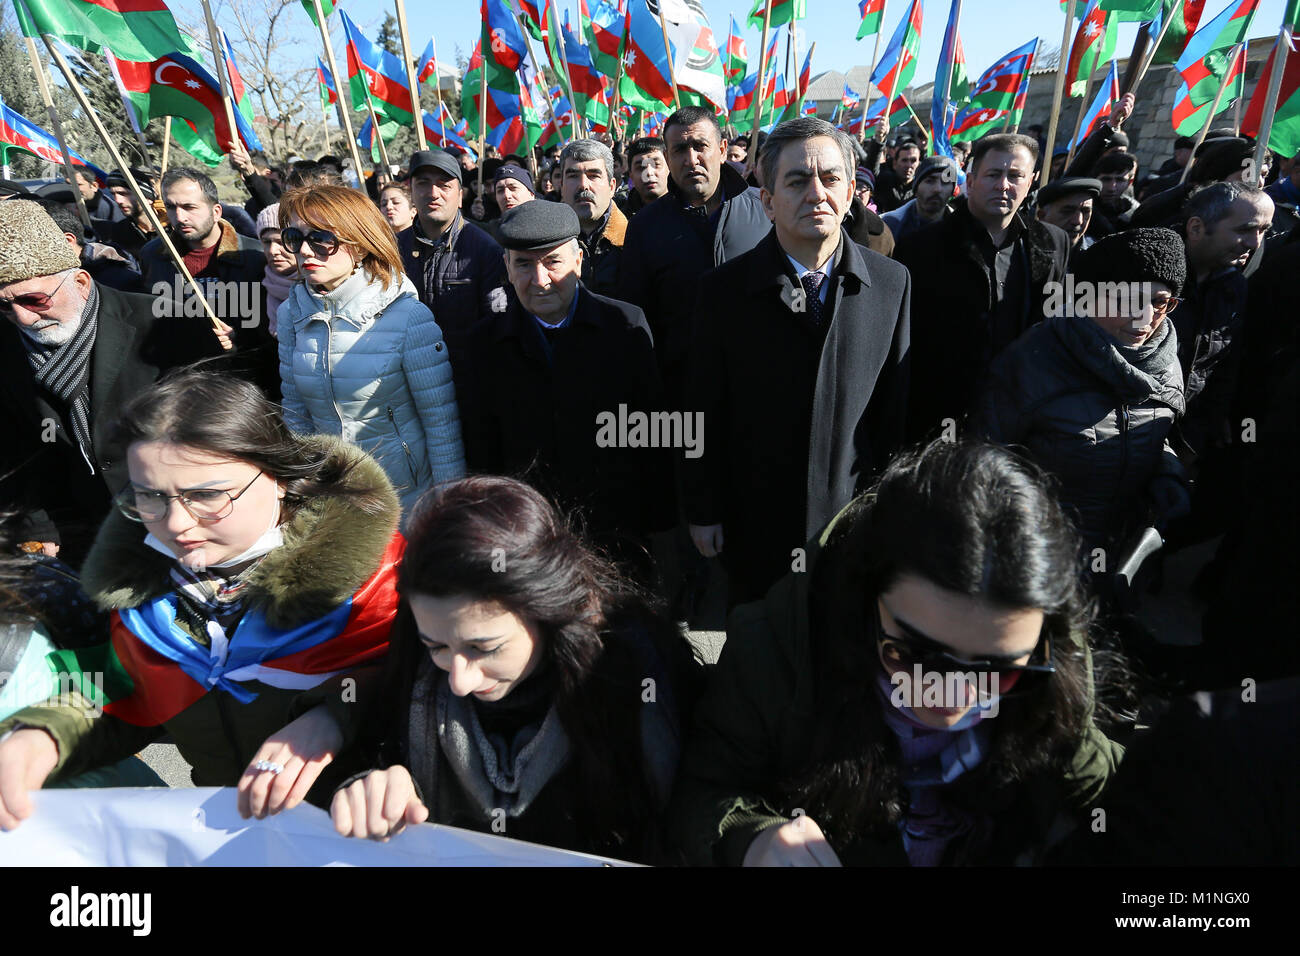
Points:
point(797, 417)
point(535, 417)
point(42, 472)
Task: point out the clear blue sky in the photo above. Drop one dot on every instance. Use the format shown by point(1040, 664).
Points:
point(989, 28)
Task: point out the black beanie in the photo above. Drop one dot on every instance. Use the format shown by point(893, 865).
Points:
point(1136, 255)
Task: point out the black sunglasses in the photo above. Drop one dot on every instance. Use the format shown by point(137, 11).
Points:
point(904, 653)
point(323, 242)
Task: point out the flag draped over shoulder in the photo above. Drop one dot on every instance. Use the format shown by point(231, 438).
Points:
point(135, 29)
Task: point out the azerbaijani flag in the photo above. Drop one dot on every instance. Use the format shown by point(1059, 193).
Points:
point(783, 11)
point(850, 99)
point(1284, 137)
point(1100, 108)
point(239, 93)
point(1186, 18)
point(152, 670)
point(1132, 11)
point(1204, 62)
point(898, 112)
point(809, 108)
point(428, 66)
point(998, 85)
point(376, 74)
point(603, 26)
point(1188, 116)
point(898, 63)
point(141, 30)
point(18, 132)
point(872, 13)
point(1094, 42)
point(326, 8)
point(737, 61)
point(328, 91)
point(949, 77)
point(646, 81)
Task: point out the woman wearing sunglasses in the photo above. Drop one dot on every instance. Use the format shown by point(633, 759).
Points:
point(360, 356)
point(1092, 396)
point(251, 576)
point(921, 694)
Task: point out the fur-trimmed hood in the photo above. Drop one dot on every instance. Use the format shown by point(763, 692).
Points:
point(330, 549)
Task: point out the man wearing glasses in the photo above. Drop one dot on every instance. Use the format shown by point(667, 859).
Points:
point(72, 352)
point(456, 266)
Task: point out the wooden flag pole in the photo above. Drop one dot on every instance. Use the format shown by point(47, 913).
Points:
point(1214, 108)
point(751, 154)
point(43, 85)
point(167, 141)
point(568, 77)
point(437, 91)
point(1078, 122)
point(325, 121)
point(875, 58)
point(1270, 102)
point(145, 204)
point(668, 51)
point(1063, 61)
point(219, 65)
point(345, 121)
point(1155, 48)
point(417, 112)
point(376, 135)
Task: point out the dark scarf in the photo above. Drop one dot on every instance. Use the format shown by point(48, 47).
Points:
point(64, 372)
point(1149, 371)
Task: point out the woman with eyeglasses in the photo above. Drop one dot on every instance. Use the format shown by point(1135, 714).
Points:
point(531, 691)
point(1092, 391)
point(360, 355)
point(251, 578)
point(921, 694)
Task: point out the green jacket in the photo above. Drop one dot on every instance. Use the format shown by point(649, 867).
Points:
point(755, 722)
point(331, 547)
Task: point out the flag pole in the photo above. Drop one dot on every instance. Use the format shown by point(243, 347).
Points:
point(1214, 108)
point(1270, 103)
point(43, 85)
point(417, 114)
point(1063, 61)
point(947, 83)
point(145, 204)
point(1029, 67)
point(1078, 122)
point(567, 79)
point(1155, 48)
point(376, 135)
point(482, 109)
point(751, 154)
point(875, 58)
point(219, 65)
point(167, 141)
point(437, 90)
point(325, 120)
point(668, 50)
point(532, 55)
point(345, 121)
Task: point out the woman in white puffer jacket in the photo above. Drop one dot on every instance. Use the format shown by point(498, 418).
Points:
point(360, 356)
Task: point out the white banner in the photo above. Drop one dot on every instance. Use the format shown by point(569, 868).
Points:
point(201, 827)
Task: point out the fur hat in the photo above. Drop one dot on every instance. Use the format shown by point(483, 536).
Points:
point(1136, 255)
point(31, 244)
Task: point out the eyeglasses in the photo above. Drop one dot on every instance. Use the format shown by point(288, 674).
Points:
point(323, 242)
point(904, 653)
point(34, 301)
point(203, 504)
point(1161, 306)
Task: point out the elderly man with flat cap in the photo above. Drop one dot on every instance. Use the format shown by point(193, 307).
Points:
point(1067, 203)
point(544, 373)
point(72, 353)
point(454, 264)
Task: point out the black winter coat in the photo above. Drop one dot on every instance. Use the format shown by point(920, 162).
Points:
point(1088, 415)
point(797, 417)
point(49, 481)
point(665, 254)
point(522, 414)
point(952, 334)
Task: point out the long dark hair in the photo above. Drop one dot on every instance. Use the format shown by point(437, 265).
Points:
point(499, 540)
point(974, 519)
point(231, 418)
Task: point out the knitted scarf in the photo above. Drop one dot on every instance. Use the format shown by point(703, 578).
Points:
point(277, 289)
point(64, 372)
point(495, 773)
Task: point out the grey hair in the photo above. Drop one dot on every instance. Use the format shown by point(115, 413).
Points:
point(797, 131)
point(584, 151)
point(181, 174)
point(1211, 203)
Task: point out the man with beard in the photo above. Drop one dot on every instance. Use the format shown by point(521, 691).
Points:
point(133, 230)
point(894, 184)
point(935, 183)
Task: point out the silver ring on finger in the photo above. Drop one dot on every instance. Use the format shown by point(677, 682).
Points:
point(268, 765)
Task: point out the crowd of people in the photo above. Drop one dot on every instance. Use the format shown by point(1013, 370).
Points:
point(416, 527)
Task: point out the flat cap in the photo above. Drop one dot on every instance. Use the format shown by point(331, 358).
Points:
point(1060, 188)
point(31, 244)
point(437, 158)
point(1136, 255)
point(539, 225)
point(511, 171)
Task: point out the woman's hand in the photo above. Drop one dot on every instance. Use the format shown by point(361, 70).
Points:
point(26, 758)
point(302, 749)
point(797, 843)
point(378, 805)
